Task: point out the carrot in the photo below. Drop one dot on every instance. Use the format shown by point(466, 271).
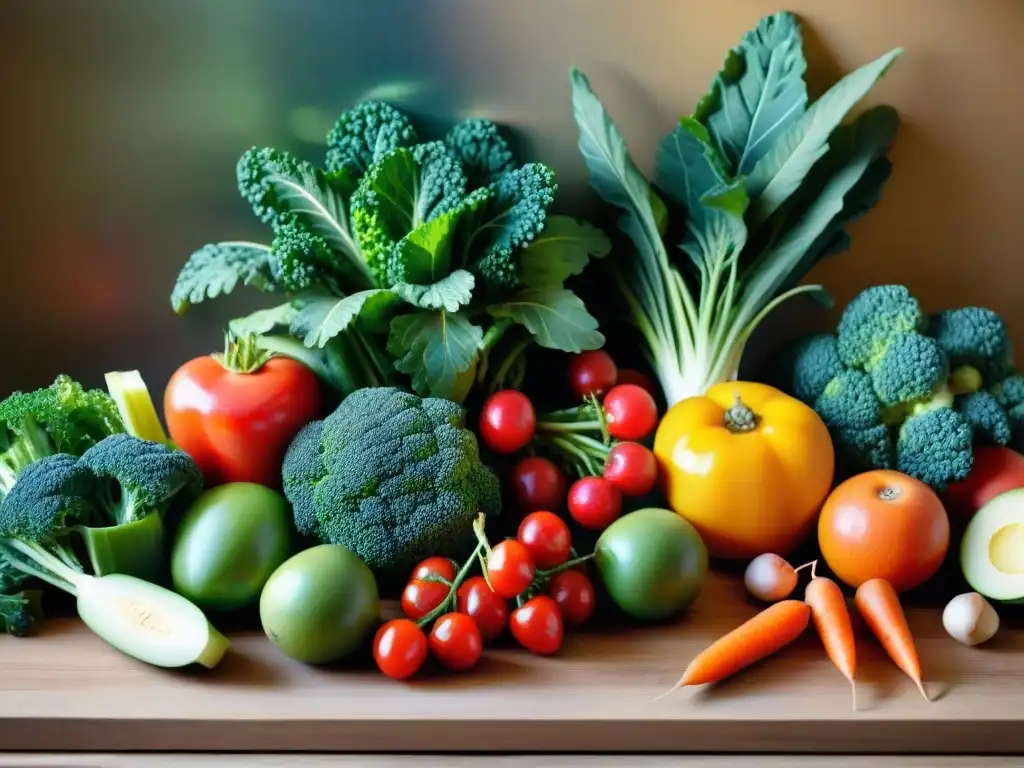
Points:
point(832, 620)
point(770, 630)
point(879, 604)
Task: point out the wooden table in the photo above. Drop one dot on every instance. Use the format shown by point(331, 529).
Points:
point(67, 690)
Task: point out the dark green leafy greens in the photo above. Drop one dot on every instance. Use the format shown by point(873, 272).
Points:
point(436, 262)
point(749, 192)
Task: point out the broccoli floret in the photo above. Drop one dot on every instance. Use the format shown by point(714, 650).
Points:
point(512, 217)
point(298, 257)
point(1009, 392)
point(61, 418)
point(848, 401)
point(982, 411)
point(364, 134)
point(483, 152)
point(138, 478)
point(860, 449)
point(19, 607)
point(976, 337)
point(913, 368)
point(808, 366)
point(935, 446)
point(391, 476)
point(872, 320)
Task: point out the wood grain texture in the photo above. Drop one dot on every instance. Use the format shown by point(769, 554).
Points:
point(67, 690)
point(114, 760)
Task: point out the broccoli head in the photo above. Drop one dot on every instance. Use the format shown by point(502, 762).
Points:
point(899, 390)
point(51, 496)
point(391, 476)
point(482, 150)
point(137, 477)
point(298, 257)
point(19, 608)
point(364, 134)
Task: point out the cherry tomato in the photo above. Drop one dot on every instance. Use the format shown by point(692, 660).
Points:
point(631, 411)
point(538, 483)
point(507, 421)
point(435, 566)
point(456, 642)
point(487, 608)
point(631, 468)
point(592, 373)
point(399, 648)
point(574, 595)
point(629, 376)
point(594, 502)
point(537, 625)
point(546, 537)
point(421, 597)
point(237, 425)
point(510, 568)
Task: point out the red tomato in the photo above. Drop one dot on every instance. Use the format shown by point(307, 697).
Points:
point(399, 648)
point(237, 426)
point(487, 608)
point(421, 597)
point(629, 376)
point(631, 468)
point(574, 595)
point(456, 642)
point(538, 483)
point(546, 537)
point(510, 568)
point(594, 502)
point(592, 373)
point(507, 421)
point(631, 411)
point(995, 470)
point(538, 625)
point(435, 566)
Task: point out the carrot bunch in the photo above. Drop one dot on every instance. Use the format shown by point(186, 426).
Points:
point(781, 623)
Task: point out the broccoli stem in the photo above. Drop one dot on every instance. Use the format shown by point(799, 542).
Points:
point(42, 564)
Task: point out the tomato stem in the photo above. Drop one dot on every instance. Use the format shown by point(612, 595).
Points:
point(448, 604)
point(242, 355)
point(564, 566)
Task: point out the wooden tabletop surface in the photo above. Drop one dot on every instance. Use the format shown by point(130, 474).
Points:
point(66, 689)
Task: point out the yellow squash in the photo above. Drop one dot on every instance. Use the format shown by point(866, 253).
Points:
point(747, 465)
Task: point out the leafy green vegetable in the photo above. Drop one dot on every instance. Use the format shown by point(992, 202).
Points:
point(753, 189)
point(405, 259)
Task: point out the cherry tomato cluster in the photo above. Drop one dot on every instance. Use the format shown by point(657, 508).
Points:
point(596, 441)
point(536, 570)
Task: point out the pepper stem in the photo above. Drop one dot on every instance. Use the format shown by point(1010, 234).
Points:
point(739, 417)
point(242, 355)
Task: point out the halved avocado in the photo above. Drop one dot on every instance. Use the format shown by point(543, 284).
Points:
point(992, 550)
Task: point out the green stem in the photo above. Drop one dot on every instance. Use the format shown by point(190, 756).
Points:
point(495, 334)
point(739, 418)
point(510, 359)
point(448, 604)
point(564, 566)
point(568, 427)
point(52, 570)
point(242, 355)
point(382, 365)
point(580, 458)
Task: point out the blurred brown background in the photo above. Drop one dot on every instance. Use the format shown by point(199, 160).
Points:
point(122, 122)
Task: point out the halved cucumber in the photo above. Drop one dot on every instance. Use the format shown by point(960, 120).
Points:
point(148, 622)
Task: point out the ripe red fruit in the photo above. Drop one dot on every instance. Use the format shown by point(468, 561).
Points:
point(592, 373)
point(594, 502)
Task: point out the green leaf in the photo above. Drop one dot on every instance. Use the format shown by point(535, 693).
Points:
point(425, 254)
point(278, 185)
point(264, 320)
point(687, 166)
point(435, 349)
point(760, 91)
point(217, 269)
point(321, 319)
point(849, 183)
point(556, 317)
point(561, 251)
point(451, 292)
point(717, 233)
point(780, 172)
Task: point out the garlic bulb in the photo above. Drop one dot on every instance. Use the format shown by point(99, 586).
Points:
point(970, 619)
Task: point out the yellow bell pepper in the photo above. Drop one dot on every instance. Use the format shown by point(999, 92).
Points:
point(747, 465)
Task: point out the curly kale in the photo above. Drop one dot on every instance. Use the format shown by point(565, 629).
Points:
point(364, 134)
point(391, 476)
point(484, 153)
point(898, 391)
